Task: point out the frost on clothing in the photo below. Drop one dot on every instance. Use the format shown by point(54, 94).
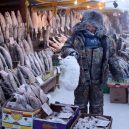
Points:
point(94, 63)
point(68, 81)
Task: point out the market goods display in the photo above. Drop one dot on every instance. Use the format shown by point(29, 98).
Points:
point(92, 122)
point(12, 26)
point(62, 116)
point(19, 63)
point(28, 98)
point(121, 47)
point(52, 29)
point(17, 47)
point(22, 68)
point(62, 22)
point(56, 115)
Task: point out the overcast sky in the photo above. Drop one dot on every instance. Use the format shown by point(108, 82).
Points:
point(123, 4)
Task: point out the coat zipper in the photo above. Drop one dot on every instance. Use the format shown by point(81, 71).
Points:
point(91, 66)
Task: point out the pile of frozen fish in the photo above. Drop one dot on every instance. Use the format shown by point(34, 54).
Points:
point(60, 117)
point(16, 48)
point(35, 65)
point(11, 80)
point(38, 62)
point(45, 23)
point(121, 47)
point(91, 122)
point(16, 45)
point(28, 98)
point(12, 26)
point(122, 42)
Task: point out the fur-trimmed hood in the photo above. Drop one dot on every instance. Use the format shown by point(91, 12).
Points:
point(93, 17)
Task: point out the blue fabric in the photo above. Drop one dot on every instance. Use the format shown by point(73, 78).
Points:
point(91, 41)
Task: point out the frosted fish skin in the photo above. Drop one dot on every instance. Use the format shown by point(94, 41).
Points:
point(33, 65)
point(1, 65)
point(14, 19)
point(45, 61)
point(21, 77)
point(30, 42)
point(2, 97)
point(12, 80)
point(36, 63)
point(2, 22)
point(27, 47)
point(1, 36)
point(19, 17)
point(15, 31)
point(8, 19)
point(27, 74)
point(7, 56)
point(19, 53)
point(40, 63)
point(3, 61)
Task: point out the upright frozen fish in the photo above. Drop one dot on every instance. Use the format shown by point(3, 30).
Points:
point(35, 21)
point(8, 19)
point(1, 65)
point(1, 36)
point(12, 80)
point(45, 20)
point(19, 17)
point(21, 77)
point(2, 22)
point(28, 74)
point(7, 56)
point(27, 47)
point(3, 61)
point(29, 20)
point(40, 63)
point(7, 35)
point(19, 53)
point(14, 19)
point(30, 42)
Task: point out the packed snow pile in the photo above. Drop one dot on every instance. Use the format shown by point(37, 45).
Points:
point(68, 81)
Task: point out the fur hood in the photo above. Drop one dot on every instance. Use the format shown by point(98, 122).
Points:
point(95, 18)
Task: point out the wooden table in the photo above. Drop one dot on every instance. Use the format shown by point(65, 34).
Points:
point(49, 84)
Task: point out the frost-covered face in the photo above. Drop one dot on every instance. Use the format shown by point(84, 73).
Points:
point(90, 28)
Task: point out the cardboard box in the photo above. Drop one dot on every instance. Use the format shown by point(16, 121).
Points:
point(123, 83)
point(118, 95)
point(42, 124)
point(128, 95)
point(85, 115)
point(49, 84)
point(118, 90)
point(17, 119)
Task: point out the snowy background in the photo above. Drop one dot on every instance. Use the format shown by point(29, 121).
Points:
point(122, 4)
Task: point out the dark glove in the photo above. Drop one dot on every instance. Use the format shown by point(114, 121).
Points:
point(75, 54)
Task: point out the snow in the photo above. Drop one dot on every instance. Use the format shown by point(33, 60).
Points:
point(119, 113)
point(122, 4)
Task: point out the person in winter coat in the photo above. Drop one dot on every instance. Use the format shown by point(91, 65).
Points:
point(95, 54)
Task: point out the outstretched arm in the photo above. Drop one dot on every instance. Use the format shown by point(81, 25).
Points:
point(69, 47)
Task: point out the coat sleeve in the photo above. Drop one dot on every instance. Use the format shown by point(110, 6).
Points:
point(69, 47)
point(114, 66)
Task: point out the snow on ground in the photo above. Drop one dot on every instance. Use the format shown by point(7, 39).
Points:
point(119, 113)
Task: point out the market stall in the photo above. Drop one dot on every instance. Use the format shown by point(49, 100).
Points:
point(31, 37)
